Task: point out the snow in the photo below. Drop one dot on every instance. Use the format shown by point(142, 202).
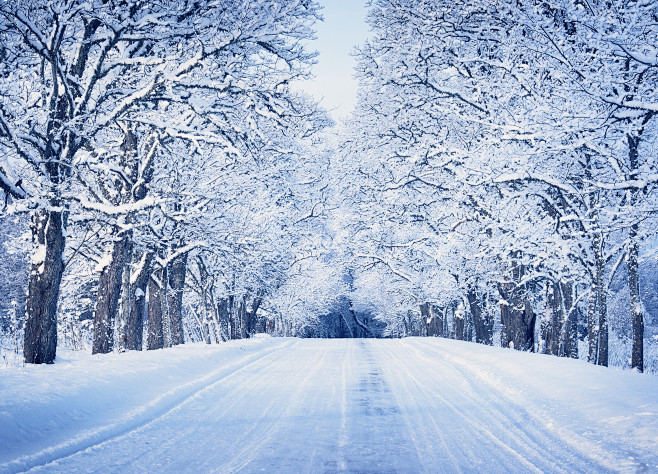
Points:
point(293, 405)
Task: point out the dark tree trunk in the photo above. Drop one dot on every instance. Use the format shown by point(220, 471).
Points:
point(592, 333)
point(155, 335)
point(435, 327)
point(518, 324)
point(231, 317)
point(124, 312)
point(637, 316)
point(206, 322)
point(424, 319)
point(222, 314)
point(242, 317)
point(137, 302)
point(517, 317)
point(40, 339)
point(251, 315)
point(571, 323)
point(107, 297)
point(482, 323)
point(164, 301)
point(551, 325)
point(602, 298)
point(460, 321)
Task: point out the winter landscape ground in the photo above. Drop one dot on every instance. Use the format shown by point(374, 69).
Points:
point(346, 405)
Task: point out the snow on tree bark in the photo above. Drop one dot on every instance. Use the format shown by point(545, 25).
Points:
point(40, 342)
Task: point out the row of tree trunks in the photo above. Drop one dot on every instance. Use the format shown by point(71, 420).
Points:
point(433, 321)
point(165, 288)
point(109, 290)
point(164, 317)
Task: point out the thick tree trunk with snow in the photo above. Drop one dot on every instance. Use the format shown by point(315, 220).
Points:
point(516, 314)
point(139, 277)
point(482, 323)
point(518, 322)
point(637, 316)
point(155, 335)
point(177, 271)
point(40, 339)
point(107, 297)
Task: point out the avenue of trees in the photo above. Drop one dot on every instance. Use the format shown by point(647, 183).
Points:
point(509, 151)
point(162, 181)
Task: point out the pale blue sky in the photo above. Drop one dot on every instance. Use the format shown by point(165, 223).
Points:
point(343, 28)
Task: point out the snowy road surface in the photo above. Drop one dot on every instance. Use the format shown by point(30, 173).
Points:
point(288, 405)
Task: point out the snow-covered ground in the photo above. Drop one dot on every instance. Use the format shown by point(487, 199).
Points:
point(290, 405)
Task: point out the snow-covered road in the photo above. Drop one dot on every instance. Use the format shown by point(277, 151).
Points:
point(288, 405)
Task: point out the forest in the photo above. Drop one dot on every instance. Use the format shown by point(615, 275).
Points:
point(164, 181)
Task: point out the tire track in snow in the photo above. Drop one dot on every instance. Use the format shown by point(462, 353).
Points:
point(138, 417)
point(260, 433)
point(579, 450)
point(481, 427)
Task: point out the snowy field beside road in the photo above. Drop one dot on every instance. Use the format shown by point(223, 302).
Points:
point(301, 405)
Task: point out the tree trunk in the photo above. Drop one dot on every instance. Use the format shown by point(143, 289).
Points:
point(231, 317)
point(425, 319)
point(551, 325)
point(164, 300)
point(637, 316)
point(40, 338)
point(602, 297)
point(126, 296)
point(107, 297)
point(571, 324)
point(436, 322)
point(517, 317)
point(242, 317)
point(177, 284)
point(155, 336)
point(459, 320)
point(483, 324)
point(222, 314)
point(206, 324)
point(251, 315)
point(592, 333)
point(139, 278)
